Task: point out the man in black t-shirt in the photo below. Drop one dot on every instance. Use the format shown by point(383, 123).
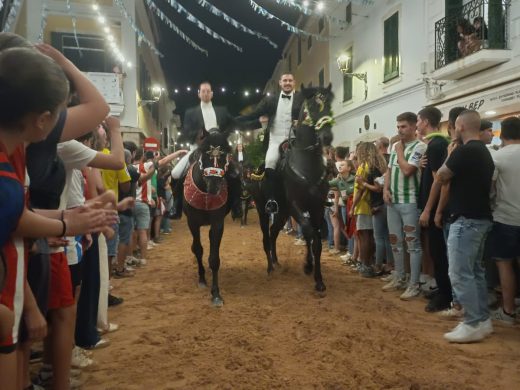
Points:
point(428, 120)
point(469, 169)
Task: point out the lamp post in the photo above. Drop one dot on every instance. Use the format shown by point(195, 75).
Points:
point(345, 66)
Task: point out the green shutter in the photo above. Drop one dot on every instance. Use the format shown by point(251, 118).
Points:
point(391, 47)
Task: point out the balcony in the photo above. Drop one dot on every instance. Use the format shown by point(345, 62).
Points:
point(473, 39)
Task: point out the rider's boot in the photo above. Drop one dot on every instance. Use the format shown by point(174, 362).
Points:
point(271, 206)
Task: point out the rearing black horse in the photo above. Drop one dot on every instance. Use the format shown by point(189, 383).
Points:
point(205, 202)
point(301, 190)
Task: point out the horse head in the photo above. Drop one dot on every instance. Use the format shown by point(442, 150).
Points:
point(214, 157)
point(316, 112)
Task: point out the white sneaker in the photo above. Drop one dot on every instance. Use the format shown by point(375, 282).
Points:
point(412, 291)
point(334, 251)
point(487, 327)
point(150, 246)
point(464, 333)
point(346, 257)
point(501, 316)
point(299, 242)
point(394, 285)
point(143, 261)
point(389, 277)
point(80, 360)
point(452, 313)
point(428, 284)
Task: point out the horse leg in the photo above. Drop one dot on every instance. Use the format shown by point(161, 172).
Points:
point(196, 248)
point(215, 237)
point(316, 254)
point(264, 225)
point(277, 225)
point(303, 219)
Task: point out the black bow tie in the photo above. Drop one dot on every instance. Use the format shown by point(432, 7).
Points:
point(284, 96)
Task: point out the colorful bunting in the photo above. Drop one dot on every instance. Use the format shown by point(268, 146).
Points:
point(12, 15)
point(174, 27)
point(43, 22)
point(69, 11)
point(140, 34)
point(308, 11)
point(191, 18)
point(239, 26)
point(293, 29)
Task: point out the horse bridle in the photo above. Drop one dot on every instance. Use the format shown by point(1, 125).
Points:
point(318, 124)
point(215, 152)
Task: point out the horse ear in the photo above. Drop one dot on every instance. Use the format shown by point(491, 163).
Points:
point(329, 87)
point(302, 87)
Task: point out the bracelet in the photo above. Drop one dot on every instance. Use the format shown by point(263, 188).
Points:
point(64, 230)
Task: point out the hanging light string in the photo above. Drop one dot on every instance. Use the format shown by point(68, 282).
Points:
point(235, 23)
point(43, 22)
point(12, 15)
point(295, 30)
point(75, 31)
point(307, 11)
point(191, 18)
point(140, 34)
point(174, 27)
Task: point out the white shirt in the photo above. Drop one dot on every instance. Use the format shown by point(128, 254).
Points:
point(283, 118)
point(209, 116)
point(507, 161)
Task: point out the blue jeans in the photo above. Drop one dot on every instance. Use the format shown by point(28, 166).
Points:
point(381, 237)
point(467, 274)
point(330, 228)
point(403, 221)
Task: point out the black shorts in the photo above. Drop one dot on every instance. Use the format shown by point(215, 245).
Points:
point(38, 277)
point(76, 271)
point(505, 242)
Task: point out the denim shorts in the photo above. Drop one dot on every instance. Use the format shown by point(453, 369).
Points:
point(505, 241)
point(364, 222)
point(113, 243)
point(126, 226)
point(142, 216)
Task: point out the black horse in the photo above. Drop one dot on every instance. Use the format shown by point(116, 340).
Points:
point(301, 190)
point(205, 202)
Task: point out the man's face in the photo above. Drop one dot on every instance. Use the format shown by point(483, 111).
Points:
point(287, 83)
point(422, 125)
point(406, 130)
point(486, 136)
point(205, 93)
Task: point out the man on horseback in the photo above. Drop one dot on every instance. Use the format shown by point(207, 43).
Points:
point(283, 110)
point(197, 119)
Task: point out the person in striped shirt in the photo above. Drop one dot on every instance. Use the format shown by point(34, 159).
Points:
point(401, 193)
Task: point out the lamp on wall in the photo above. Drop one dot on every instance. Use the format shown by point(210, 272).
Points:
point(156, 95)
point(344, 66)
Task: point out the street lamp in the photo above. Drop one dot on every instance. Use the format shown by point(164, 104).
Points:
point(345, 65)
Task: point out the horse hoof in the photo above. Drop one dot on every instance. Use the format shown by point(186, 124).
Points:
point(307, 268)
point(320, 289)
point(217, 302)
point(203, 285)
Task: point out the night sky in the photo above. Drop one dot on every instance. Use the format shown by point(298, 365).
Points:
point(184, 66)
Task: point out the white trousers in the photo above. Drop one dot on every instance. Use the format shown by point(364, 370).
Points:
point(273, 154)
point(102, 319)
point(180, 169)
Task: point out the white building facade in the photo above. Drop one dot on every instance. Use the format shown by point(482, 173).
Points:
point(409, 52)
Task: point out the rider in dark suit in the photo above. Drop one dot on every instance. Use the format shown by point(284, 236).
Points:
point(283, 110)
point(202, 117)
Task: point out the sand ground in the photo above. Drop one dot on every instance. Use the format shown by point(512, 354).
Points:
point(275, 333)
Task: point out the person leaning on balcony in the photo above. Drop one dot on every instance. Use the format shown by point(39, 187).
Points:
point(468, 40)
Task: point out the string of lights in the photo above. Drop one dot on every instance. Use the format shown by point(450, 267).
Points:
point(110, 39)
point(74, 29)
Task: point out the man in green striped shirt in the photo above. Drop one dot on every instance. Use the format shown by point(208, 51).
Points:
point(401, 192)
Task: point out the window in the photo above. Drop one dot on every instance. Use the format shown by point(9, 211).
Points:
point(321, 24)
point(391, 47)
point(88, 54)
point(309, 42)
point(145, 81)
point(321, 78)
point(290, 63)
point(299, 50)
point(348, 17)
point(347, 80)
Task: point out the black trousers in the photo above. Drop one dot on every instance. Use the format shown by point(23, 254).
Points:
point(439, 254)
point(87, 312)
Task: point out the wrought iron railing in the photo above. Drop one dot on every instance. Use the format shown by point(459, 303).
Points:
point(456, 36)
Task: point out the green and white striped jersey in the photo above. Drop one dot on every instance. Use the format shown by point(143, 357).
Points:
point(406, 189)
